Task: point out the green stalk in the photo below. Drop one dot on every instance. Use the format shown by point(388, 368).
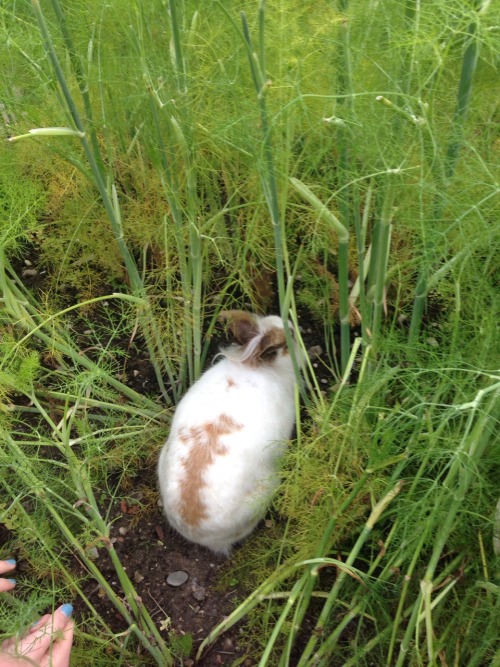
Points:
point(59, 564)
point(357, 658)
point(171, 189)
point(310, 577)
point(412, 22)
point(158, 649)
point(347, 192)
point(190, 255)
point(268, 176)
point(343, 254)
point(490, 631)
point(360, 599)
point(84, 489)
point(259, 594)
point(324, 649)
point(257, 64)
point(474, 442)
point(429, 525)
point(180, 64)
point(82, 83)
point(104, 405)
point(195, 266)
point(282, 574)
point(360, 226)
point(111, 207)
point(290, 601)
point(404, 592)
point(132, 271)
point(378, 263)
point(469, 64)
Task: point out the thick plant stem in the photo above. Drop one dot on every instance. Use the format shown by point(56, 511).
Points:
point(325, 648)
point(347, 192)
point(378, 263)
point(476, 439)
point(176, 151)
point(360, 226)
point(133, 273)
point(268, 175)
point(82, 83)
point(58, 564)
point(367, 647)
point(156, 648)
point(343, 254)
point(464, 92)
point(110, 203)
point(310, 578)
point(180, 64)
point(469, 63)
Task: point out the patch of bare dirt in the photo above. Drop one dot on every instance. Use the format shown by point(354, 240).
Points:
point(151, 552)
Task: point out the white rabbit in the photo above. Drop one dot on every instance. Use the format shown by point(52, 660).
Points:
point(219, 466)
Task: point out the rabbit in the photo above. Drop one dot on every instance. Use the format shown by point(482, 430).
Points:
point(219, 467)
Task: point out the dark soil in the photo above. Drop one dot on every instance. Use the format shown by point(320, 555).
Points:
point(150, 551)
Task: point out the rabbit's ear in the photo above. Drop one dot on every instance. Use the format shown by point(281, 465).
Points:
point(270, 344)
point(244, 326)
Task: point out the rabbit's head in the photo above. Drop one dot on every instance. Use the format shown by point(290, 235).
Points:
point(259, 340)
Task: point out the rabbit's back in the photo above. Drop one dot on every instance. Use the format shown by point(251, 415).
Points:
point(218, 467)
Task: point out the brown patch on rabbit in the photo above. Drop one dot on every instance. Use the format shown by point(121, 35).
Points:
point(204, 445)
point(230, 383)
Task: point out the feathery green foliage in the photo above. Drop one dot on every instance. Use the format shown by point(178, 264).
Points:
point(336, 162)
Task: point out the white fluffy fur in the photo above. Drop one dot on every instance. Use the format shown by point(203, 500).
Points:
point(237, 486)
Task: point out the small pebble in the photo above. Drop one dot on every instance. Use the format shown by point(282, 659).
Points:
point(27, 262)
point(177, 578)
point(93, 553)
point(315, 351)
point(227, 644)
point(123, 530)
point(138, 577)
point(198, 592)
point(433, 342)
point(30, 272)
